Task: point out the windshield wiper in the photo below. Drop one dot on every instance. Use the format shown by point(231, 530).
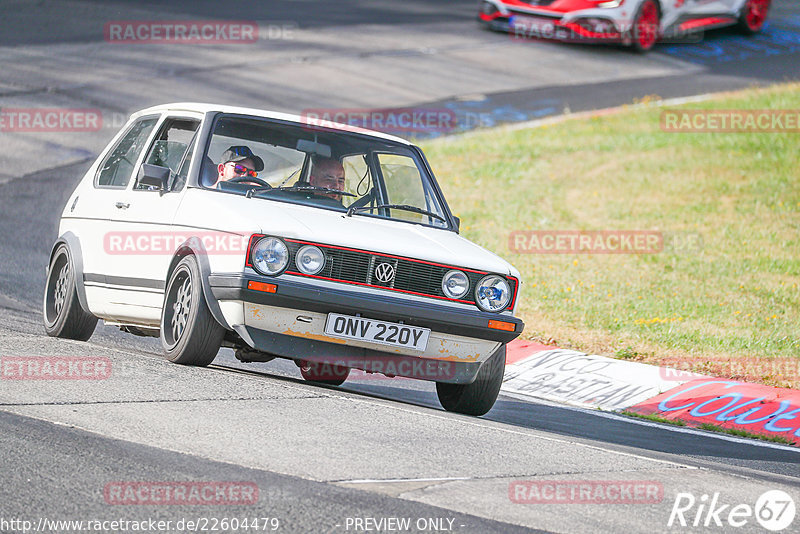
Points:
point(302, 188)
point(406, 207)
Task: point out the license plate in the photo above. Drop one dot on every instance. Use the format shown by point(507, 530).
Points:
point(533, 24)
point(363, 329)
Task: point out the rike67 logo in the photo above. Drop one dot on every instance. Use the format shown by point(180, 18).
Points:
point(774, 510)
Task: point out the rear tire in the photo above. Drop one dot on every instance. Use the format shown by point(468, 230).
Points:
point(189, 333)
point(646, 27)
point(324, 373)
point(479, 397)
point(753, 16)
point(61, 311)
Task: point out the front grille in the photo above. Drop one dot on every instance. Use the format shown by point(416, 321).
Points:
point(359, 267)
point(537, 3)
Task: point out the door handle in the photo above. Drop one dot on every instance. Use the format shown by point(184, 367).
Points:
point(122, 205)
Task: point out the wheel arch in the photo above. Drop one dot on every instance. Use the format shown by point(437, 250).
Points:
point(194, 247)
point(73, 244)
point(661, 28)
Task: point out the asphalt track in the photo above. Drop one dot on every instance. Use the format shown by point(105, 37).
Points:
point(374, 448)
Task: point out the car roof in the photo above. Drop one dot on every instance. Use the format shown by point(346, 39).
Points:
point(211, 108)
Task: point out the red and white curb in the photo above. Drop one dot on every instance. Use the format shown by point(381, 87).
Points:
point(588, 381)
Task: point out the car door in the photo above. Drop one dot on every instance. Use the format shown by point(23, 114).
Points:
point(732, 6)
point(94, 207)
point(698, 8)
point(142, 224)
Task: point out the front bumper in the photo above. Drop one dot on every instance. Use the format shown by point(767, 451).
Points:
point(575, 27)
point(368, 360)
point(290, 323)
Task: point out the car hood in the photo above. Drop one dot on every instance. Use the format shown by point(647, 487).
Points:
point(241, 215)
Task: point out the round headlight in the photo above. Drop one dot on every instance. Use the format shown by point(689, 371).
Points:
point(492, 293)
point(310, 259)
point(455, 284)
point(270, 256)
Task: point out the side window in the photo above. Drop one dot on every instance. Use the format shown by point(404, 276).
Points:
point(117, 168)
point(405, 185)
point(171, 145)
point(183, 174)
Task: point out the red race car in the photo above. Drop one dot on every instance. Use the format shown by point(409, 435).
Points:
point(638, 23)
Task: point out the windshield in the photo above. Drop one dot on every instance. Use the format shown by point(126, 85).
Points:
point(337, 171)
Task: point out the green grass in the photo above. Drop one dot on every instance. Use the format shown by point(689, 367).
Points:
point(744, 433)
point(654, 418)
point(738, 296)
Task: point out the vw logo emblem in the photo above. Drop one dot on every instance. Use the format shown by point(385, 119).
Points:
point(384, 272)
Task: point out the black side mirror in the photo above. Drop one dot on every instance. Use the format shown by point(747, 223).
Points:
point(458, 223)
point(154, 176)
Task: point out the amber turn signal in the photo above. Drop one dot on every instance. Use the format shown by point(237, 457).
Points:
point(502, 325)
point(261, 286)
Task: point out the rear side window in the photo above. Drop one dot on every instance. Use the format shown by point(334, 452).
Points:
point(117, 168)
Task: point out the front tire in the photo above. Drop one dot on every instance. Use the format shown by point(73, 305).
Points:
point(753, 16)
point(479, 397)
point(189, 333)
point(62, 312)
point(646, 27)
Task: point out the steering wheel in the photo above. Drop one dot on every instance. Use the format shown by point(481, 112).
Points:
point(250, 179)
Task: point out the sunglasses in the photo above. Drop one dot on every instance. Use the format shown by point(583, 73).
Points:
point(241, 169)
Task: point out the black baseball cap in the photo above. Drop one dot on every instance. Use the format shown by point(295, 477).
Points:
point(239, 153)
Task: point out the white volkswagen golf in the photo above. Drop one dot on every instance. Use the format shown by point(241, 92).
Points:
point(214, 226)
